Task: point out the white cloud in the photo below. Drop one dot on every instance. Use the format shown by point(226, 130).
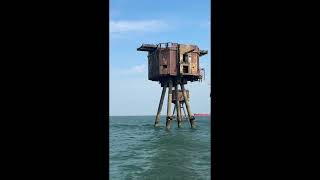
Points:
point(137, 26)
point(142, 68)
point(139, 68)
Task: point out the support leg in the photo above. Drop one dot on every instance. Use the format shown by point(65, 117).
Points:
point(174, 109)
point(177, 105)
point(169, 116)
point(184, 112)
point(157, 121)
point(191, 117)
point(181, 115)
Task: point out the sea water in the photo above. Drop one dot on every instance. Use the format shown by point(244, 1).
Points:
point(139, 151)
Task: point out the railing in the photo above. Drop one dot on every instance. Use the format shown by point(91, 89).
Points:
point(166, 45)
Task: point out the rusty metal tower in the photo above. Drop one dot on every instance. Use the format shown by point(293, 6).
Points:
point(173, 64)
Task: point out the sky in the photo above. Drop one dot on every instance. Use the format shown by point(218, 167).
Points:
point(134, 22)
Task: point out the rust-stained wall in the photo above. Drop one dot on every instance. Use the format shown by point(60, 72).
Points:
point(165, 61)
point(189, 60)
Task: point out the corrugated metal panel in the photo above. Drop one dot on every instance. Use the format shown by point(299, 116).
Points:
point(173, 62)
point(164, 58)
point(194, 63)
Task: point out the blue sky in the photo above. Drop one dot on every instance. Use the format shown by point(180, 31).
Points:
point(133, 22)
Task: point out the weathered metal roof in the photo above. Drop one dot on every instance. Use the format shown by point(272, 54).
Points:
point(147, 47)
point(203, 52)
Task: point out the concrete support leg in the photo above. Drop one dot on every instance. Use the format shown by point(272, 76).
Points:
point(174, 109)
point(169, 115)
point(157, 121)
point(181, 115)
point(184, 112)
point(191, 117)
point(177, 105)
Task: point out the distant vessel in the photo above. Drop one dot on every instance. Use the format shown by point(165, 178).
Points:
point(201, 114)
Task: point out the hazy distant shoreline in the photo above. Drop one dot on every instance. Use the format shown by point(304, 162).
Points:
point(132, 115)
point(135, 115)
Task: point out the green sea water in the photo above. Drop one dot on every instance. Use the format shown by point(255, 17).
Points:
point(139, 151)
